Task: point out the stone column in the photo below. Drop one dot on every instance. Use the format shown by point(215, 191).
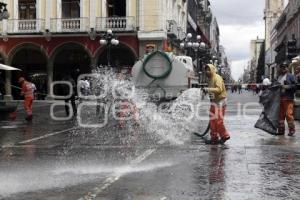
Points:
point(94, 63)
point(50, 78)
point(8, 95)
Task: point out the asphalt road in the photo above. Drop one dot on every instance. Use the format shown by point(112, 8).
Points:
point(53, 160)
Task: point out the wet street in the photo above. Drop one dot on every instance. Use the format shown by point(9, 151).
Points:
point(56, 160)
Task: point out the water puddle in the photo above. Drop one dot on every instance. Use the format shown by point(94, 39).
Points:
point(46, 178)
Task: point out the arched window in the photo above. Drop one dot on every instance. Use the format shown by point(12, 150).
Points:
point(27, 9)
point(70, 9)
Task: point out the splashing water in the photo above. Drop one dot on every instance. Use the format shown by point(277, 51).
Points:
point(51, 176)
point(171, 121)
point(168, 122)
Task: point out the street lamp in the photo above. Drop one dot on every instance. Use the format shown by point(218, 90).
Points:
point(109, 39)
point(3, 11)
point(197, 46)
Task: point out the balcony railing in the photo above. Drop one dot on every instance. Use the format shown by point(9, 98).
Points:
point(172, 28)
point(115, 23)
point(61, 25)
point(25, 26)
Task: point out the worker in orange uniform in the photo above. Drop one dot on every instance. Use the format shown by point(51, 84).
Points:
point(217, 92)
point(27, 90)
point(288, 89)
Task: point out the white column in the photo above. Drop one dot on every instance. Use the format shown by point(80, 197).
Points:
point(128, 8)
point(128, 13)
point(48, 14)
point(82, 14)
point(8, 95)
point(58, 15)
point(104, 13)
point(16, 9)
point(49, 77)
point(58, 9)
point(93, 10)
point(16, 16)
point(38, 8)
point(141, 15)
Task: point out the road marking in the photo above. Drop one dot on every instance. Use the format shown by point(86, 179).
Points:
point(111, 180)
point(47, 135)
point(51, 134)
point(23, 143)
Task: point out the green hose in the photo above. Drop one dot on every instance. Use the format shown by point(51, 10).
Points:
point(164, 74)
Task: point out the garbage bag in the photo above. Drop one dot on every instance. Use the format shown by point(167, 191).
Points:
point(269, 118)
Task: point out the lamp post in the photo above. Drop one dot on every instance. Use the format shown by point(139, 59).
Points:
point(197, 46)
point(109, 39)
point(3, 11)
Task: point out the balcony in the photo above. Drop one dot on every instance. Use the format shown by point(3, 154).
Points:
point(59, 25)
point(172, 28)
point(121, 24)
point(16, 26)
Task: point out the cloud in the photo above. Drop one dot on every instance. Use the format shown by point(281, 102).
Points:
point(238, 11)
point(236, 39)
point(240, 21)
point(237, 68)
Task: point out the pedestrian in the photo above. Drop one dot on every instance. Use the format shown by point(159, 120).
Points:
point(253, 88)
point(27, 90)
point(288, 89)
point(66, 91)
point(240, 88)
point(217, 92)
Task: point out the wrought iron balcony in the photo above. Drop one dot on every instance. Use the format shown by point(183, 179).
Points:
point(16, 26)
point(61, 25)
point(125, 24)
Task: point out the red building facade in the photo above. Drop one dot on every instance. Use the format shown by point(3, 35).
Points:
point(45, 59)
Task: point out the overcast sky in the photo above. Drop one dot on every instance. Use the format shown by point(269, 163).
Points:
point(239, 22)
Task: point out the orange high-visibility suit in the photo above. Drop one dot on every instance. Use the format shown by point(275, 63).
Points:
point(28, 93)
point(217, 91)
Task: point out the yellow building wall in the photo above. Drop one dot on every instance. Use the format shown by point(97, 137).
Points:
point(10, 8)
point(150, 12)
point(86, 12)
point(99, 8)
point(54, 9)
point(43, 9)
point(133, 8)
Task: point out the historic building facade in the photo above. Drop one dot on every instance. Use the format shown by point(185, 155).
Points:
point(255, 51)
point(287, 29)
point(51, 38)
point(272, 12)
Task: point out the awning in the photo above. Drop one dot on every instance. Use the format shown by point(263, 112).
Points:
point(8, 68)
